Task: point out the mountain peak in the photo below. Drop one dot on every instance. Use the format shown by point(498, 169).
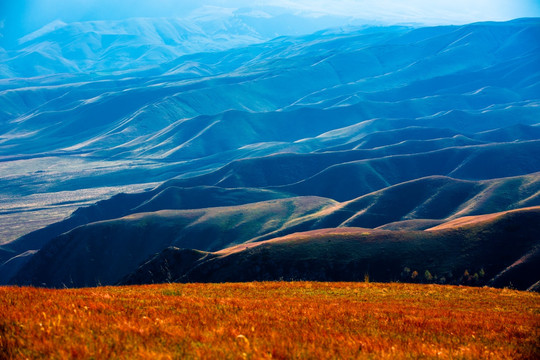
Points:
point(47, 29)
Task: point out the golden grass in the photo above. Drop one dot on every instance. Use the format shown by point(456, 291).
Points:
point(476, 219)
point(299, 320)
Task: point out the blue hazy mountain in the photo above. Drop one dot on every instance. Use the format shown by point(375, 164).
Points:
point(394, 127)
point(121, 46)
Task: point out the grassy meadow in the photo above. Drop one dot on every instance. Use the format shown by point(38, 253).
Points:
point(270, 320)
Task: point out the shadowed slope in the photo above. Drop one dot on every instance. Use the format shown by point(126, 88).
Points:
point(349, 174)
point(161, 198)
point(345, 254)
point(423, 203)
point(428, 198)
point(104, 252)
point(349, 180)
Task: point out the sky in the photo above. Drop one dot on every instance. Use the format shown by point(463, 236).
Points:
point(20, 17)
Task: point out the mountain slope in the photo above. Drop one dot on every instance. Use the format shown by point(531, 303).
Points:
point(317, 64)
point(102, 252)
point(346, 254)
point(342, 176)
point(433, 198)
point(394, 128)
point(161, 198)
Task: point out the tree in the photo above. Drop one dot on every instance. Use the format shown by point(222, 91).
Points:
point(427, 276)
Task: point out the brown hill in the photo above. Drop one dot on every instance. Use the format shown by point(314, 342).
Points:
point(476, 253)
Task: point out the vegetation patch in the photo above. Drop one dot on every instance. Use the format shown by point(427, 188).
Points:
point(306, 320)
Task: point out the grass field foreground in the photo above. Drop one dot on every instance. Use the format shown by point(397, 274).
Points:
point(278, 320)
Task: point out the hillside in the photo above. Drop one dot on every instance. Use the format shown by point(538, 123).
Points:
point(434, 198)
point(239, 133)
point(163, 197)
point(485, 251)
point(349, 86)
point(105, 252)
point(176, 221)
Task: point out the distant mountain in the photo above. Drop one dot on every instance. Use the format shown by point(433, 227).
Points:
point(198, 112)
point(116, 47)
point(119, 47)
point(241, 137)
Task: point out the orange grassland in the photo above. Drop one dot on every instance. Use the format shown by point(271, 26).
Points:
point(278, 320)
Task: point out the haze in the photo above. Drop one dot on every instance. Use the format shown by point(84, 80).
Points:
point(18, 18)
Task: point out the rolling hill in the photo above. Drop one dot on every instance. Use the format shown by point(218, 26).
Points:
point(455, 253)
point(103, 252)
point(232, 134)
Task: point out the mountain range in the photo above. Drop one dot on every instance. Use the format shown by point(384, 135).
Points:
point(374, 151)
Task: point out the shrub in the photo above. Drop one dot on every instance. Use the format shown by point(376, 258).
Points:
point(481, 273)
point(405, 274)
